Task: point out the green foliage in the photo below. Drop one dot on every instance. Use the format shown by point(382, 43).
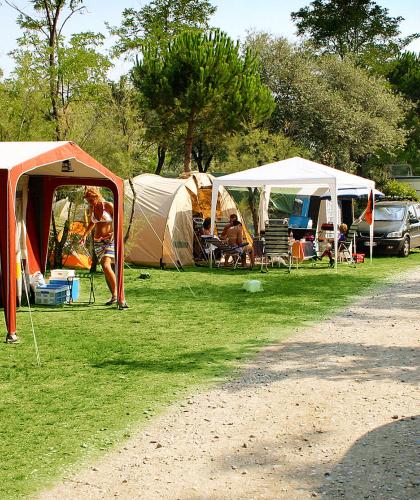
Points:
point(331, 107)
point(160, 21)
point(88, 395)
point(113, 130)
point(257, 147)
point(202, 82)
point(401, 190)
point(404, 75)
point(358, 27)
point(23, 109)
point(66, 72)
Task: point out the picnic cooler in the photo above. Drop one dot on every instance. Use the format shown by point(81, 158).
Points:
point(52, 295)
point(66, 277)
point(71, 283)
point(359, 257)
point(62, 274)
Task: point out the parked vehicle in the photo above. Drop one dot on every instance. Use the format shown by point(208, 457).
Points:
point(396, 228)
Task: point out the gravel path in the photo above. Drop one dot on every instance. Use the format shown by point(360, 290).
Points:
point(330, 413)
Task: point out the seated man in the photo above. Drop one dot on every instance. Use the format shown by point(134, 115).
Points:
point(233, 235)
point(342, 231)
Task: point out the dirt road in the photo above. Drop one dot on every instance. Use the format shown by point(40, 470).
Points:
point(330, 413)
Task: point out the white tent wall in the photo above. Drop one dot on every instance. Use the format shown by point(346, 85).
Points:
point(326, 213)
point(20, 214)
point(20, 211)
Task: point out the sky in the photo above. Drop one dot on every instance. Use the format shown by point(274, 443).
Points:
point(235, 17)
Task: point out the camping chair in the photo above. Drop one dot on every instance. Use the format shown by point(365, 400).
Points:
point(220, 225)
point(347, 248)
point(276, 243)
point(225, 249)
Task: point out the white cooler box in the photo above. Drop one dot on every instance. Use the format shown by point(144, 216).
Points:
point(62, 274)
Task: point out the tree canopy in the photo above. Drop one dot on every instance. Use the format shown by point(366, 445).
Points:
point(347, 96)
point(160, 21)
point(404, 75)
point(350, 26)
point(335, 109)
point(202, 82)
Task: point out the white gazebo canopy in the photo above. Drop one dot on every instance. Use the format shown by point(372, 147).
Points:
point(306, 175)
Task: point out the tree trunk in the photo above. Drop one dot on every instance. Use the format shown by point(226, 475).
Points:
point(207, 163)
point(161, 159)
point(197, 152)
point(127, 234)
point(189, 144)
point(54, 79)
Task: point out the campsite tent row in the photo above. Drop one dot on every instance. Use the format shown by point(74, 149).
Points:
point(29, 174)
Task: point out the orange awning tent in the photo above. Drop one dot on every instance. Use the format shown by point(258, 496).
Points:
point(32, 171)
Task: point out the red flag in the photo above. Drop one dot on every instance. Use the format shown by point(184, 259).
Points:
point(369, 209)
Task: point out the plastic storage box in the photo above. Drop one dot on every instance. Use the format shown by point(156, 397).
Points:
point(72, 284)
point(52, 295)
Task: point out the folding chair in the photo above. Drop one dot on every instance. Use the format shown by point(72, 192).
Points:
point(276, 243)
point(345, 248)
point(226, 250)
point(220, 225)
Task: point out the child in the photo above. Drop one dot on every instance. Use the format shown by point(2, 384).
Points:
point(341, 237)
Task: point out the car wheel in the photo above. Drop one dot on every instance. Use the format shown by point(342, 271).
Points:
point(405, 250)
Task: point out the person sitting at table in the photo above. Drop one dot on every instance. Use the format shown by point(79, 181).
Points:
point(205, 230)
point(232, 219)
point(233, 235)
point(328, 249)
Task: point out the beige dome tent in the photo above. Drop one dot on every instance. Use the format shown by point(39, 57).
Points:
point(161, 230)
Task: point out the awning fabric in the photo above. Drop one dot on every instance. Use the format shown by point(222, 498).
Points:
point(354, 193)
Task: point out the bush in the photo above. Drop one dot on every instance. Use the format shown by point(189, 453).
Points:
point(400, 190)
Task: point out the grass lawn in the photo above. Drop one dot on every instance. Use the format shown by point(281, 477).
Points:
point(105, 371)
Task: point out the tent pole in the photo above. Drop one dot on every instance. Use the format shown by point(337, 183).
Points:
point(334, 199)
point(263, 208)
point(214, 194)
point(371, 227)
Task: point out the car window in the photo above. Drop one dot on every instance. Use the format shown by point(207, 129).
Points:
point(417, 207)
point(389, 212)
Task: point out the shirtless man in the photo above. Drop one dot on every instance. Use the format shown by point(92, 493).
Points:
point(234, 235)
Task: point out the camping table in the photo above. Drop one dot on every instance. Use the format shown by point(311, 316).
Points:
point(302, 250)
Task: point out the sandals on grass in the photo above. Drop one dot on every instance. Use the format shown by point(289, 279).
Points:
point(111, 301)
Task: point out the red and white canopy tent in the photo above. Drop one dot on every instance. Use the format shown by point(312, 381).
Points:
point(29, 174)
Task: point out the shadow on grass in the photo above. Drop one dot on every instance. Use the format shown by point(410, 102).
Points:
point(209, 359)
